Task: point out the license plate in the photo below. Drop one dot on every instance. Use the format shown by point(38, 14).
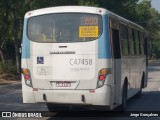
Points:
point(63, 84)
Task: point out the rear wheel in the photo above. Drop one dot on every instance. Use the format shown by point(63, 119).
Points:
point(124, 96)
point(139, 94)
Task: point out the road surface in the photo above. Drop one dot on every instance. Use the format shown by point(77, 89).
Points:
point(11, 100)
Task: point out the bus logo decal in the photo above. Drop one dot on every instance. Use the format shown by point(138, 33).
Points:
point(63, 52)
point(40, 60)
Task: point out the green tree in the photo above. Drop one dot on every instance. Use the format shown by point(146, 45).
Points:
point(12, 14)
point(149, 18)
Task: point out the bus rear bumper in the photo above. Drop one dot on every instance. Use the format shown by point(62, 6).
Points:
point(100, 96)
point(27, 93)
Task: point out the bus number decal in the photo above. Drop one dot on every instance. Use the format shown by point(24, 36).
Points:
point(80, 61)
point(91, 21)
point(88, 31)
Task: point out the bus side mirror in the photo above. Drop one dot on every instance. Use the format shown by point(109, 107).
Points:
point(20, 49)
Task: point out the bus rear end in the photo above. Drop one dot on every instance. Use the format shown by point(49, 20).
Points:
point(65, 57)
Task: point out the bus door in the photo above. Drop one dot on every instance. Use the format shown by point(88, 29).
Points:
point(116, 60)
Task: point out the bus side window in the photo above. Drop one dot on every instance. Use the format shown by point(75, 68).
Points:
point(124, 40)
point(116, 44)
point(141, 43)
point(139, 40)
point(136, 42)
point(131, 42)
point(145, 42)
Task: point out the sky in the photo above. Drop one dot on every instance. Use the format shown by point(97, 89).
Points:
point(156, 4)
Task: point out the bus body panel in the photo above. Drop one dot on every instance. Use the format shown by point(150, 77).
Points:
point(27, 92)
point(132, 69)
point(78, 63)
point(75, 96)
point(28, 95)
point(52, 63)
point(64, 67)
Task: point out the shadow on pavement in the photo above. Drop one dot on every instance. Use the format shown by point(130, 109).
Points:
point(148, 103)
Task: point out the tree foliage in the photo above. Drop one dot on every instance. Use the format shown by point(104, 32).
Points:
point(12, 13)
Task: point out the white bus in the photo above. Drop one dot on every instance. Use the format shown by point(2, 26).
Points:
point(82, 56)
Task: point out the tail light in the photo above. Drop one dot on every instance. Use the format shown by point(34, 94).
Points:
point(103, 71)
point(102, 76)
point(27, 77)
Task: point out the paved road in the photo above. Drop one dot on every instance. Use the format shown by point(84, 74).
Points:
point(11, 99)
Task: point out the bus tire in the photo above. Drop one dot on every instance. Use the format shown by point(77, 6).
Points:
point(139, 94)
point(124, 96)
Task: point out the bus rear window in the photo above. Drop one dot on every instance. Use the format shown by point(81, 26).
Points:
point(65, 27)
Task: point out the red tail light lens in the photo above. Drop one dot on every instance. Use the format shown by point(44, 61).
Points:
point(27, 77)
point(101, 77)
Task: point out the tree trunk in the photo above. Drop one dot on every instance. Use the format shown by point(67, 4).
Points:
point(17, 58)
point(16, 43)
point(2, 57)
point(152, 56)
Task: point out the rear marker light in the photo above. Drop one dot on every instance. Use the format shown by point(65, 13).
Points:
point(92, 91)
point(29, 14)
point(35, 89)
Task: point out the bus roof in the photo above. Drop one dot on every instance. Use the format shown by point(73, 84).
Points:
point(125, 21)
point(64, 9)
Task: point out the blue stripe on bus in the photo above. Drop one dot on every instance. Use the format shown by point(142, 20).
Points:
point(104, 50)
point(25, 43)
